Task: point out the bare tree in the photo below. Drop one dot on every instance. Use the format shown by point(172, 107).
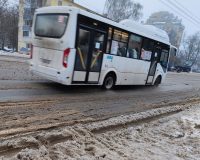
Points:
point(8, 25)
point(12, 30)
point(3, 4)
point(118, 10)
point(3, 7)
point(191, 50)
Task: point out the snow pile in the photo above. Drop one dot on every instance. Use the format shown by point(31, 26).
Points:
point(126, 119)
point(13, 54)
point(174, 137)
point(14, 68)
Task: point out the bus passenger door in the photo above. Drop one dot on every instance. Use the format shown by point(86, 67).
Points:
point(90, 46)
point(153, 66)
point(95, 61)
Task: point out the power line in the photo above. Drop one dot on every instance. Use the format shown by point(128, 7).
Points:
point(182, 10)
point(179, 13)
point(187, 10)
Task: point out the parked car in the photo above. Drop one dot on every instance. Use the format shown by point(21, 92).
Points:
point(183, 68)
point(186, 66)
point(171, 69)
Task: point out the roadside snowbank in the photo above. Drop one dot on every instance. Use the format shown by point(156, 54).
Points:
point(174, 137)
point(14, 54)
point(16, 68)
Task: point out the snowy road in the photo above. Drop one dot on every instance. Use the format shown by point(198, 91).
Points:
point(27, 101)
point(30, 105)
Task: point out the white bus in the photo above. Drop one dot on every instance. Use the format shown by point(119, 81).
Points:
point(73, 47)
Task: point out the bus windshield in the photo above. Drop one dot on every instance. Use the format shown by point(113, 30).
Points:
point(51, 25)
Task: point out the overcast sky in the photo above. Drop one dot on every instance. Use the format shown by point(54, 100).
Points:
point(151, 6)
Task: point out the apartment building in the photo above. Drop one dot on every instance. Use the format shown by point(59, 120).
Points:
point(26, 12)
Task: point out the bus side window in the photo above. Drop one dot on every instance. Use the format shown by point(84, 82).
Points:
point(147, 49)
point(119, 43)
point(134, 46)
point(164, 58)
point(122, 49)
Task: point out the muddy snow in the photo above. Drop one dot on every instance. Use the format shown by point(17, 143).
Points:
point(175, 136)
point(13, 54)
point(147, 135)
point(14, 69)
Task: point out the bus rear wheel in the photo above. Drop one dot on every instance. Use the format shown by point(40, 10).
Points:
point(157, 82)
point(109, 82)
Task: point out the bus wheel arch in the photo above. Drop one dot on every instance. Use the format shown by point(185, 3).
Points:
point(109, 80)
point(158, 80)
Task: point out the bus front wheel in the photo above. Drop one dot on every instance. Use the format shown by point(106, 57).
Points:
point(109, 82)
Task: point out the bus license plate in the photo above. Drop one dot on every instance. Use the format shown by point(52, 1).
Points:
point(46, 61)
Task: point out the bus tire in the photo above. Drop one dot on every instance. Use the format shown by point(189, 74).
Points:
point(109, 81)
point(157, 81)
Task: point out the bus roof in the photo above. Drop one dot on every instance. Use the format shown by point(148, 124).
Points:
point(129, 25)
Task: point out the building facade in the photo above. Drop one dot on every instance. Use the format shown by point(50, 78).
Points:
point(175, 31)
point(169, 23)
point(26, 12)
